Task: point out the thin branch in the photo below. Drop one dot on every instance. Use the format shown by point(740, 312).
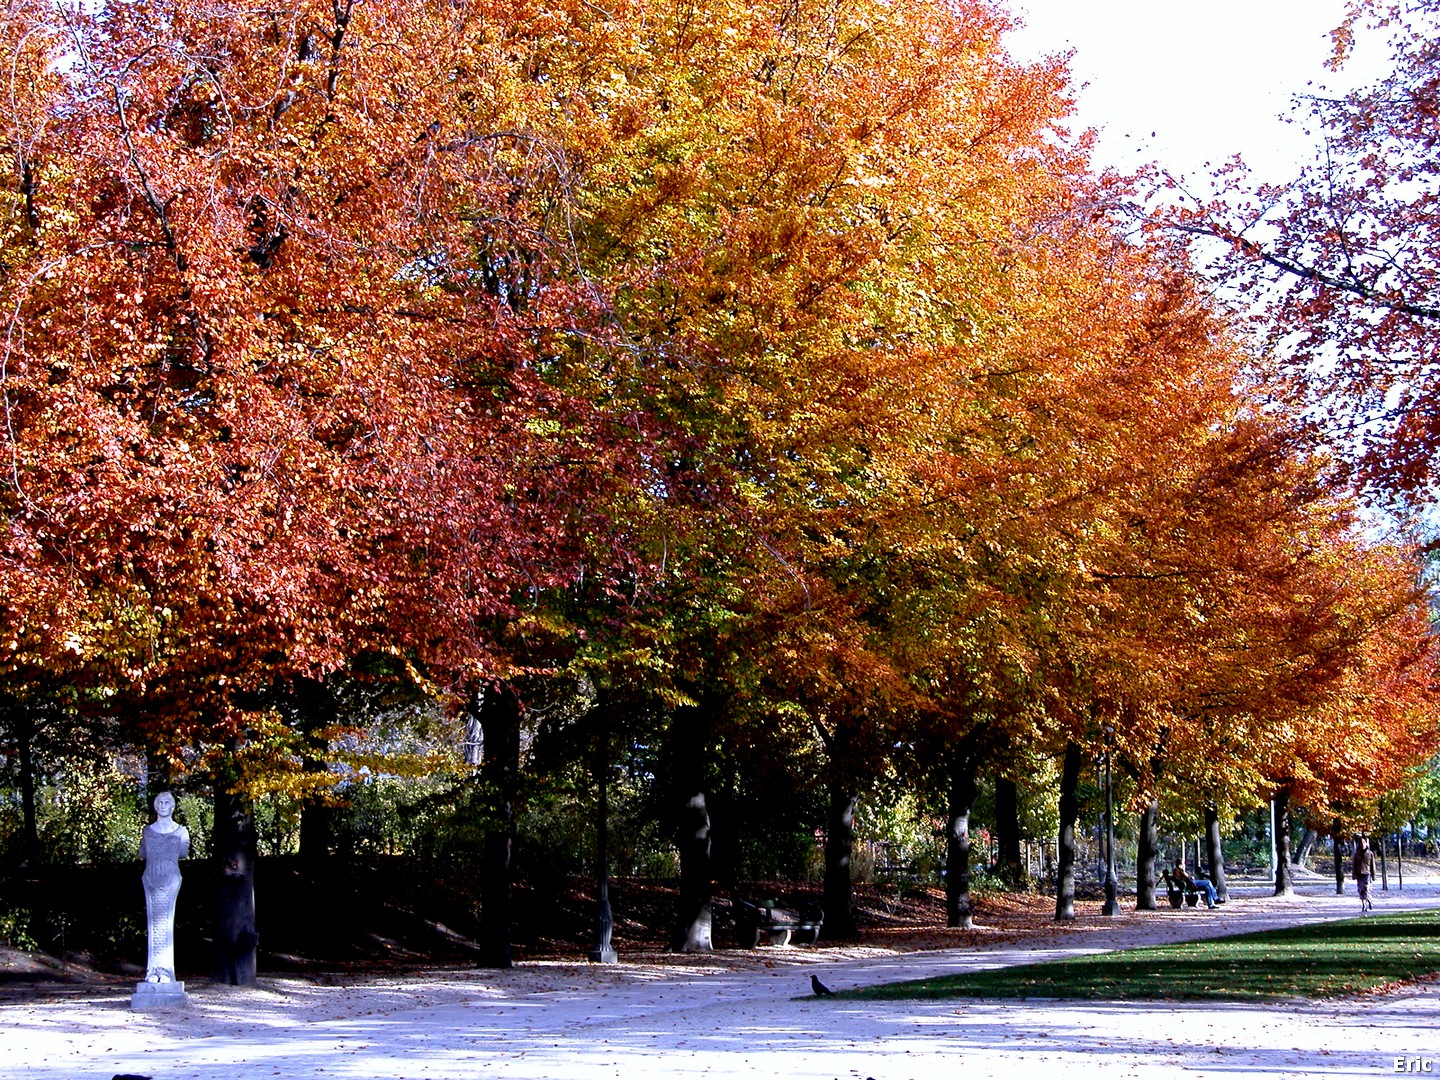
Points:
point(1310, 273)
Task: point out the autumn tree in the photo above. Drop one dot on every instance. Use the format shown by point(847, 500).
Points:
point(1345, 259)
point(771, 371)
point(276, 390)
point(1379, 719)
point(818, 228)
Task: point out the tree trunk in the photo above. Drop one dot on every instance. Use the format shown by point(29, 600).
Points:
point(690, 741)
point(315, 710)
point(694, 932)
point(1007, 832)
point(236, 936)
point(1215, 854)
point(604, 951)
point(1284, 884)
point(839, 901)
point(1339, 864)
point(958, 911)
point(726, 855)
point(157, 775)
point(1384, 870)
point(499, 714)
point(1145, 854)
point(1069, 811)
point(838, 895)
point(24, 729)
point(1307, 845)
point(316, 835)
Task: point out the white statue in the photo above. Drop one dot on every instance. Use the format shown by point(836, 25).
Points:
point(162, 845)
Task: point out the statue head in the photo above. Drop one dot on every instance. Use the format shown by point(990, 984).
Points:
point(164, 804)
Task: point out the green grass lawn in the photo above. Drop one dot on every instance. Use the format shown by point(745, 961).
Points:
point(1320, 960)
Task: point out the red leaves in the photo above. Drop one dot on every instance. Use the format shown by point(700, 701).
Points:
point(1346, 260)
point(496, 336)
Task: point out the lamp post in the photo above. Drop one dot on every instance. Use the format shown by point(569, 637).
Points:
point(1111, 905)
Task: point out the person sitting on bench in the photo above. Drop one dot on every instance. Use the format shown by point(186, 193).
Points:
point(1183, 878)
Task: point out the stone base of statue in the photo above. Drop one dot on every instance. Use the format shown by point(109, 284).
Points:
point(159, 995)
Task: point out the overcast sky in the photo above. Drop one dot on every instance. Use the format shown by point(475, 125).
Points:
point(1207, 85)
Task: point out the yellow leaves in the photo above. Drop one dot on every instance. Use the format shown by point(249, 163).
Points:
point(824, 258)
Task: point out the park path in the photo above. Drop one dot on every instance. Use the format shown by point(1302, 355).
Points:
point(674, 1021)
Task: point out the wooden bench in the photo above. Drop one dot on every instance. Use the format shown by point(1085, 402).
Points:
point(1178, 893)
point(779, 926)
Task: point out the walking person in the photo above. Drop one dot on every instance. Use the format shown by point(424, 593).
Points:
point(1363, 867)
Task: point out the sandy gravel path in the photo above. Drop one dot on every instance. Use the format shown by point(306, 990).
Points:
point(736, 1014)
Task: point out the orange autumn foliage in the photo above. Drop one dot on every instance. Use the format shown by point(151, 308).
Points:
point(791, 347)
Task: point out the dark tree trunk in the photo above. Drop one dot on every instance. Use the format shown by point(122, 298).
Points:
point(694, 931)
point(1384, 870)
point(1065, 847)
point(24, 728)
point(604, 951)
point(725, 850)
point(1284, 885)
point(499, 714)
point(1007, 832)
point(1215, 854)
point(316, 835)
point(958, 911)
point(690, 741)
point(839, 901)
point(1147, 849)
point(838, 895)
point(1339, 864)
point(157, 776)
point(315, 710)
point(236, 936)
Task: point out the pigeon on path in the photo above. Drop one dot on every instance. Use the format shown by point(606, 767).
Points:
point(820, 988)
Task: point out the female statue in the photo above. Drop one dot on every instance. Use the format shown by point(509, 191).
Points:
point(162, 845)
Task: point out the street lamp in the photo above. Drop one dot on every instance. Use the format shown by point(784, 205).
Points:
point(1111, 905)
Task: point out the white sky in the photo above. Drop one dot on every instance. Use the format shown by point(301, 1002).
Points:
point(1209, 79)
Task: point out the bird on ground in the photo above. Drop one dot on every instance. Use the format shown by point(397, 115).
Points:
point(820, 988)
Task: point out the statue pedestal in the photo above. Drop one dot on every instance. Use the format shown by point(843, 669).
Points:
point(159, 995)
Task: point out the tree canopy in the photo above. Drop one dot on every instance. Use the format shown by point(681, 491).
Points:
point(722, 369)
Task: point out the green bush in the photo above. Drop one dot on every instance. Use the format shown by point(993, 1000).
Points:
point(898, 833)
point(90, 815)
point(15, 929)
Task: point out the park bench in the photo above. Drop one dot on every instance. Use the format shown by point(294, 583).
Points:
point(1180, 893)
point(897, 873)
point(779, 926)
